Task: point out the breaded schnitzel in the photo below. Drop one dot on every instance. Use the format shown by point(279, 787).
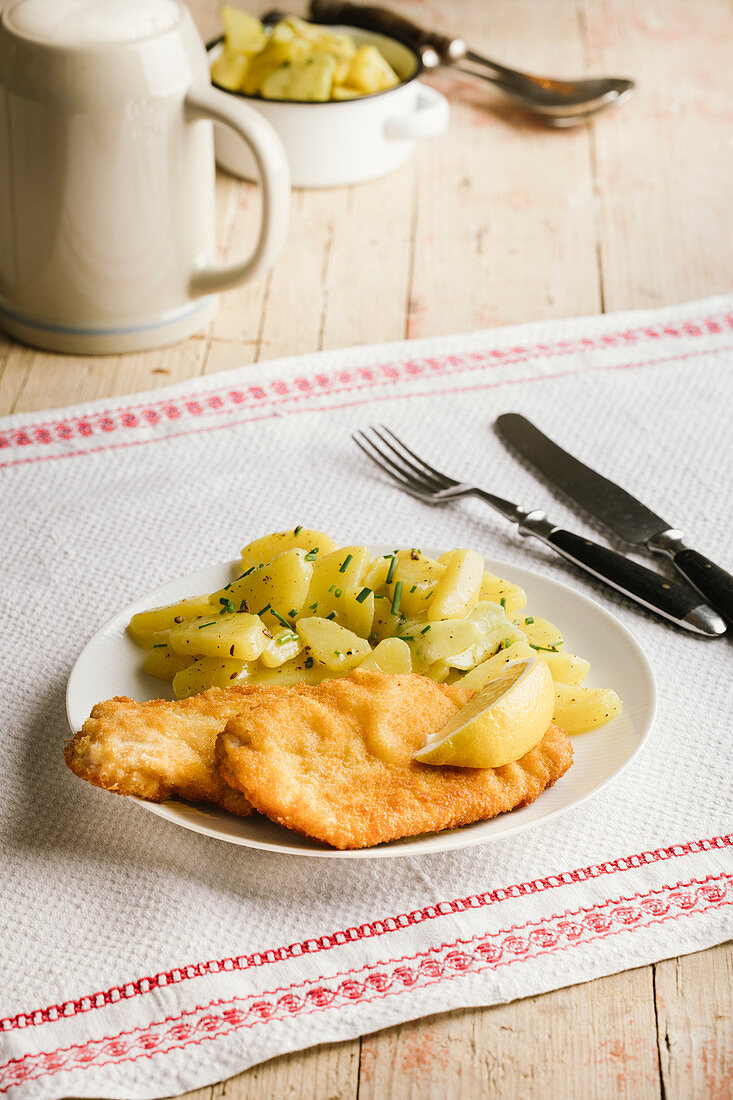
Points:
point(334, 762)
point(160, 749)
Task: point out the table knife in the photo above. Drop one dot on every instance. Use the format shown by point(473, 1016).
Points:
point(616, 509)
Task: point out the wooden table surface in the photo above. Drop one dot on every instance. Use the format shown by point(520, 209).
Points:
point(498, 221)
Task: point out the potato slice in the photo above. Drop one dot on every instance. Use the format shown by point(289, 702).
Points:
point(209, 672)
point(578, 709)
point(283, 646)
point(273, 591)
point(566, 668)
point(163, 663)
point(338, 91)
point(391, 656)
point(279, 52)
point(540, 633)
point(357, 610)
point(303, 670)
point(439, 641)
point(496, 630)
point(332, 645)
point(385, 624)
point(263, 550)
point(420, 577)
point(242, 636)
point(332, 576)
point(244, 33)
point(490, 668)
point(229, 69)
point(309, 80)
point(370, 72)
point(147, 626)
point(496, 589)
point(376, 574)
point(458, 589)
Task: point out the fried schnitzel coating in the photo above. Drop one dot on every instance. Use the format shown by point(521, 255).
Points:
point(334, 762)
point(161, 748)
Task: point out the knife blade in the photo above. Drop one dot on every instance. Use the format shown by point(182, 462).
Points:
point(616, 509)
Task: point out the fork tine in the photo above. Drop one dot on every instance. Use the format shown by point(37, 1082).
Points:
point(448, 482)
point(378, 461)
point(421, 471)
point(405, 477)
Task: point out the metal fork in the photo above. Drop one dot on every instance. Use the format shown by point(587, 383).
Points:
point(417, 477)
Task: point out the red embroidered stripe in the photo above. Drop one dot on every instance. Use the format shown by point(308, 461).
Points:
point(477, 955)
point(228, 399)
point(141, 986)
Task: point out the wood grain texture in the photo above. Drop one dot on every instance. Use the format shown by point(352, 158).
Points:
point(594, 1041)
point(499, 220)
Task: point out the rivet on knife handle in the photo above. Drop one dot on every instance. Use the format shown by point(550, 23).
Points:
point(371, 17)
point(652, 590)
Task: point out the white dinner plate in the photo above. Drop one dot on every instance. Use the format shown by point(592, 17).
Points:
point(110, 665)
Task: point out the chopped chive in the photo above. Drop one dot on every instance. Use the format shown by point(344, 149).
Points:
point(506, 643)
point(161, 645)
point(309, 662)
point(392, 567)
point(332, 588)
point(312, 554)
point(213, 623)
point(544, 648)
point(337, 652)
point(228, 605)
point(413, 589)
point(291, 637)
point(425, 630)
point(298, 529)
point(313, 606)
point(345, 563)
point(397, 597)
point(280, 619)
point(386, 555)
point(373, 636)
point(529, 620)
point(264, 609)
point(363, 595)
point(502, 601)
point(337, 592)
point(293, 612)
point(407, 637)
point(332, 615)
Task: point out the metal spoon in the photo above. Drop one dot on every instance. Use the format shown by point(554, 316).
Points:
point(559, 103)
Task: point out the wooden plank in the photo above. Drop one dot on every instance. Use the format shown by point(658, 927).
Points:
point(695, 1024)
point(505, 219)
point(665, 174)
point(329, 1072)
point(593, 1041)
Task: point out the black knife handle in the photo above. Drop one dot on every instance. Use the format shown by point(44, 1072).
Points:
point(370, 17)
point(708, 578)
point(652, 590)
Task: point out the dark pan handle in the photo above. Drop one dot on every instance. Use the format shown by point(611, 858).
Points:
point(371, 17)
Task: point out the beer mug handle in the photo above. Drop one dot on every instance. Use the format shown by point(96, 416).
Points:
point(204, 102)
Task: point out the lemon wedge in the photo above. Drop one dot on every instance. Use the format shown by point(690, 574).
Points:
point(501, 723)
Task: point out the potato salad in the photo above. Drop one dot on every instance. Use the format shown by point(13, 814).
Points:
point(302, 609)
point(296, 60)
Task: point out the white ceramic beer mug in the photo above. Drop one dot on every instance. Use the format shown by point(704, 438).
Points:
point(107, 175)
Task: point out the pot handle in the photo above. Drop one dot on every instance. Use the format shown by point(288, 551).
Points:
point(204, 102)
point(428, 118)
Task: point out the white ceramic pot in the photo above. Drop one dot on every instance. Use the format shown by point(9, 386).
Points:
point(346, 141)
